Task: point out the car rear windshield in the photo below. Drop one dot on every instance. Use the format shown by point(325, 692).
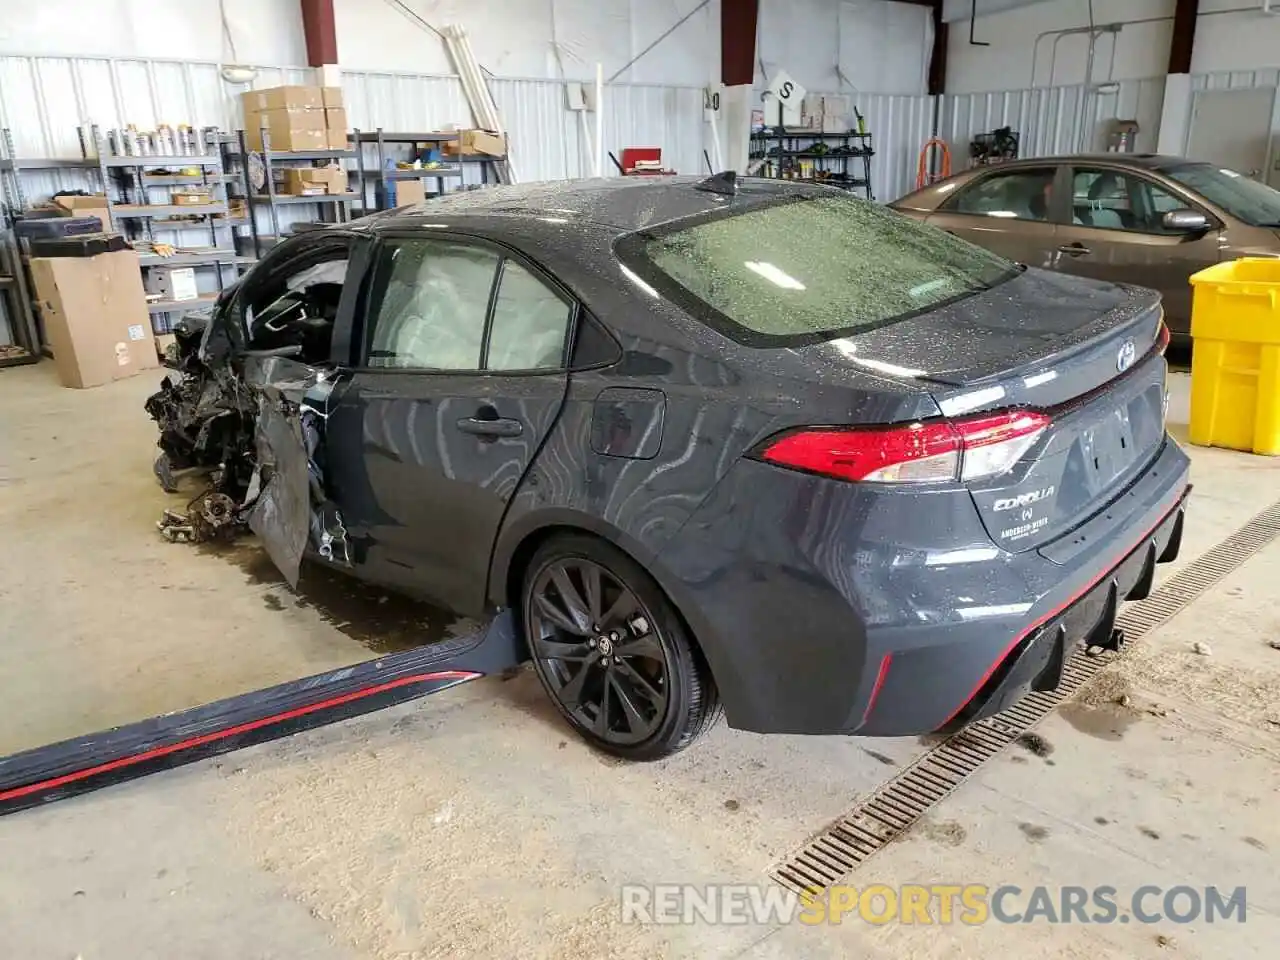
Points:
point(1245, 199)
point(809, 268)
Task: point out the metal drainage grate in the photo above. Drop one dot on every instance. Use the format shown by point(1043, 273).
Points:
point(899, 802)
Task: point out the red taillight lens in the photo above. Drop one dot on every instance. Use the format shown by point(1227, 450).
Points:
point(1162, 338)
point(916, 453)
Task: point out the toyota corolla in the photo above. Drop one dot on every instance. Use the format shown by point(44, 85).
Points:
point(719, 444)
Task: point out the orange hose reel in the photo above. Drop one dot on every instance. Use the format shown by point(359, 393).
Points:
point(923, 176)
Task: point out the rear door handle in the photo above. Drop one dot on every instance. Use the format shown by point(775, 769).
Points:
point(500, 427)
point(1074, 249)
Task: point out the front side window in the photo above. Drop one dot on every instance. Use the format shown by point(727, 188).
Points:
point(1013, 195)
point(428, 305)
point(1116, 200)
point(1255, 203)
point(808, 269)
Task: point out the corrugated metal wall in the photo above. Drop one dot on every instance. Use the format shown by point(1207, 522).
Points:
point(44, 99)
point(1239, 80)
point(899, 126)
point(1050, 120)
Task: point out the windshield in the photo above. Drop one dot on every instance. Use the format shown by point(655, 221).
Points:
point(809, 268)
point(1245, 199)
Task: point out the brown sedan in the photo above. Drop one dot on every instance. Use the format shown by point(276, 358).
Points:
point(1133, 218)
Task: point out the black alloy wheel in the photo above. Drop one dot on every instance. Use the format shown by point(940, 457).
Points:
point(610, 651)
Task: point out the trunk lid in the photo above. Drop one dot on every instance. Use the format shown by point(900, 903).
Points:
point(1082, 351)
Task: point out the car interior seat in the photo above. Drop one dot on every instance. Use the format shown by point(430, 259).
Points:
point(1106, 186)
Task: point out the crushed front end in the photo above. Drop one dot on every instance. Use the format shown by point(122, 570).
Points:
point(251, 425)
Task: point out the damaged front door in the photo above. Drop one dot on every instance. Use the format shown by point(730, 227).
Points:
point(460, 376)
point(291, 505)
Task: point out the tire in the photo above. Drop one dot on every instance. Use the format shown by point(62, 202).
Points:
point(633, 683)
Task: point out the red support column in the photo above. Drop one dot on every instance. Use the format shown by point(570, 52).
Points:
point(738, 41)
point(1183, 41)
point(319, 31)
point(738, 20)
point(938, 55)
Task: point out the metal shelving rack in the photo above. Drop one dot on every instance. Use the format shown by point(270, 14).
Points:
point(778, 146)
point(336, 205)
point(14, 285)
point(131, 177)
point(382, 176)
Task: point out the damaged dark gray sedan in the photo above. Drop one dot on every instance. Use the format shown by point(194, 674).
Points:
point(717, 443)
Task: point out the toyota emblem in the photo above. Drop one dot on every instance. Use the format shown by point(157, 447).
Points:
point(1125, 358)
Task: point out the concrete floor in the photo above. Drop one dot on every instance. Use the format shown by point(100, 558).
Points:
point(474, 824)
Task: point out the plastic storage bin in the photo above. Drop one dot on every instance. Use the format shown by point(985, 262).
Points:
point(1235, 367)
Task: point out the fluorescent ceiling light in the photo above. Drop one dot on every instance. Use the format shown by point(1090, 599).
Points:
point(775, 275)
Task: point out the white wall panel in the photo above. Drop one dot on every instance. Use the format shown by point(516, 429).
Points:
point(262, 31)
point(1014, 39)
point(536, 38)
point(1050, 121)
point(1230, 35)
point(867, 45)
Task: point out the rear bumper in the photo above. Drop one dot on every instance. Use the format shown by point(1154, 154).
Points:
point(1036, 656)
point(822, 612)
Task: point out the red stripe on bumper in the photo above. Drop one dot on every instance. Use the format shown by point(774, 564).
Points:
point(1013, 645)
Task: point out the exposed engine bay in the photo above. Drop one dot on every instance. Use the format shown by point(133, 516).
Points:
point(244, 411)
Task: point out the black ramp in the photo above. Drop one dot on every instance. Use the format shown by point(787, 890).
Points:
point(76, 766)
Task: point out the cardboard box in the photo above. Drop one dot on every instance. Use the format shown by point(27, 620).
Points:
point(409, 191)
point(289, 129)
point(477, 141)
point(335, 118)
point(163, 342)
point(95, 317)
point(310, 181)
point(91, 206)
point(810, 113)
point(332, 97)
point(835, 114)
point(190, 198)
point(172, 283)
point(282, 98)
point(337, 139)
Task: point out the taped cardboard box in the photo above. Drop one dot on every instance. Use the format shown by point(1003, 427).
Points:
point(163, 342)
point(95, 317)
point(289, 129)
point(332, 97)
point(282, 98)
point(477, 141)
point(172, 283)
point(94, 205)
point(335, 118)
point(310, 181)
point(409, 191)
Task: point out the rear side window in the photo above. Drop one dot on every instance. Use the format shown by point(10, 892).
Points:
point(809, 269)
point(1013, 195)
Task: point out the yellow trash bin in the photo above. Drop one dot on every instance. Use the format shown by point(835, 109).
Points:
point(1235, 367)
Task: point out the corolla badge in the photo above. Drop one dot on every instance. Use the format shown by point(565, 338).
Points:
point(1128, 353)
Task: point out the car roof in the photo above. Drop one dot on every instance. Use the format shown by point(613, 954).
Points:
point(1148, 161)
point(622, 203)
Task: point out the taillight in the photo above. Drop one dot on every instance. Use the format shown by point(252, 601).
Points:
point(915, 453)
point(1162, 338)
